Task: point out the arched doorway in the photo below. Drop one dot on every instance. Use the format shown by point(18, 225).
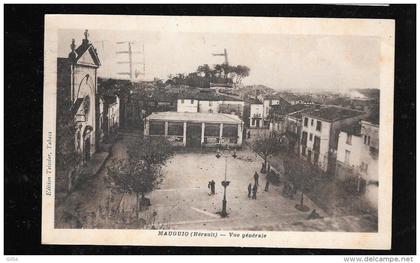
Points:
point(87, 141)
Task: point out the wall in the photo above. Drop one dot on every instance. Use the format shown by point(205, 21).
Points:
point(256, 109)
point(82, 87)
point(354, 149)
point(205, 106)
point(267, 106)
point(185, 105)
point(324, 136)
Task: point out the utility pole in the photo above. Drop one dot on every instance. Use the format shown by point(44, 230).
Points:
point(132, 72)
point(224, 54)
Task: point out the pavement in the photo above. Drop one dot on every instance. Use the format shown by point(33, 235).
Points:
point(183, 200)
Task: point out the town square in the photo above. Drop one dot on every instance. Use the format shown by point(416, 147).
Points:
point(204, 150)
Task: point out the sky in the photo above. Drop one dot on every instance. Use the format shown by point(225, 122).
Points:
point(292, 62)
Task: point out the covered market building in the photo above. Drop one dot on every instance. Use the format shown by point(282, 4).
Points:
point(196, 129)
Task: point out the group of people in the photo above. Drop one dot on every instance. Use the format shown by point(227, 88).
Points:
point(252, 190)
point(212, 186)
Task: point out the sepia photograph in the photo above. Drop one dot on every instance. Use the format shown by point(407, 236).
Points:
point(218, 131)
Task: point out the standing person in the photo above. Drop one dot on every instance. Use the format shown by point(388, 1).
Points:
point(213, 187)
point(249, 134)
point(249, 190)
point(209, 187)
point(256, 176)
point(254, 192)
point(267, 183)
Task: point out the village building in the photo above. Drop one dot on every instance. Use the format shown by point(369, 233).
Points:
point(357, 157)
point(256, 114)
point(109, 120)
point(286, 122)
point(208, 101)
point(320, 131)
point(267, 102)
point(195, 129)
point(76, 95)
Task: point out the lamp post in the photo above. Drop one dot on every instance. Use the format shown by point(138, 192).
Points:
point(225, 182)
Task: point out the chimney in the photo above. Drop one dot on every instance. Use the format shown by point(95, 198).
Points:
point(86, 40)
point(73, 54)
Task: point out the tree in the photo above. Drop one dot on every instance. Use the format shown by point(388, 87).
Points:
point(267, 146)
point(240, 72)
point(302, 174)
point(141, 172)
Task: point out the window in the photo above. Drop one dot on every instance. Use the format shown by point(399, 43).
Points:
point(312, 122)
point(310, 136)
point(192, 101)
point(364, 167)
point(305, 123)
point(175, 128)
point(318, 125)
point(367, 139)
point(347, 157)
point(317, 144)
point(212, 130)
point(230, 130)
point(157, 128)
point(304, 138)
point(210, 111)
point(348, 140)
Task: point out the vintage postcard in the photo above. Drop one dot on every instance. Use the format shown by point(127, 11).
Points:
point(218, 131)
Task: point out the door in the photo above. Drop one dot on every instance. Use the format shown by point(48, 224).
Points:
point(309, 156)
point(194, 134)
point(86, 151)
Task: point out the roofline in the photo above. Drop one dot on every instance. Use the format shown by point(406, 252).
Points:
point(370, 123)
point(323, 119)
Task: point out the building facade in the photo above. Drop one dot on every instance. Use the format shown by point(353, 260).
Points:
point(196, 129)
point(210, 102)
point(256, 115)
point(357, 157)
point(319, 136)
point(76, 94)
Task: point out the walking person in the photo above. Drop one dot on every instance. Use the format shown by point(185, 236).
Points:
point(267, 183)
point(249, 190)
point(213, 187)
point(254, 191)
point(256, 176)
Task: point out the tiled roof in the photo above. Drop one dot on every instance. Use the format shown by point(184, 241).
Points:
point(253, 101)
point(195, 117)
point(353, 129)
point(207, 95)
point(333, 113)
point(83, 48)
point(298, 114)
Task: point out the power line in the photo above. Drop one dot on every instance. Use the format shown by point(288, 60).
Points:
point(132, 72)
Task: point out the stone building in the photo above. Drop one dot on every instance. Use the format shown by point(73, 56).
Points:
point(256, 114)
point(319, 136)
point(208, 101)
point(76, 94)
point(357, 157)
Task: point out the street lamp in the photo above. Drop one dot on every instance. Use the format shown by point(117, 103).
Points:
point(225, 183)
